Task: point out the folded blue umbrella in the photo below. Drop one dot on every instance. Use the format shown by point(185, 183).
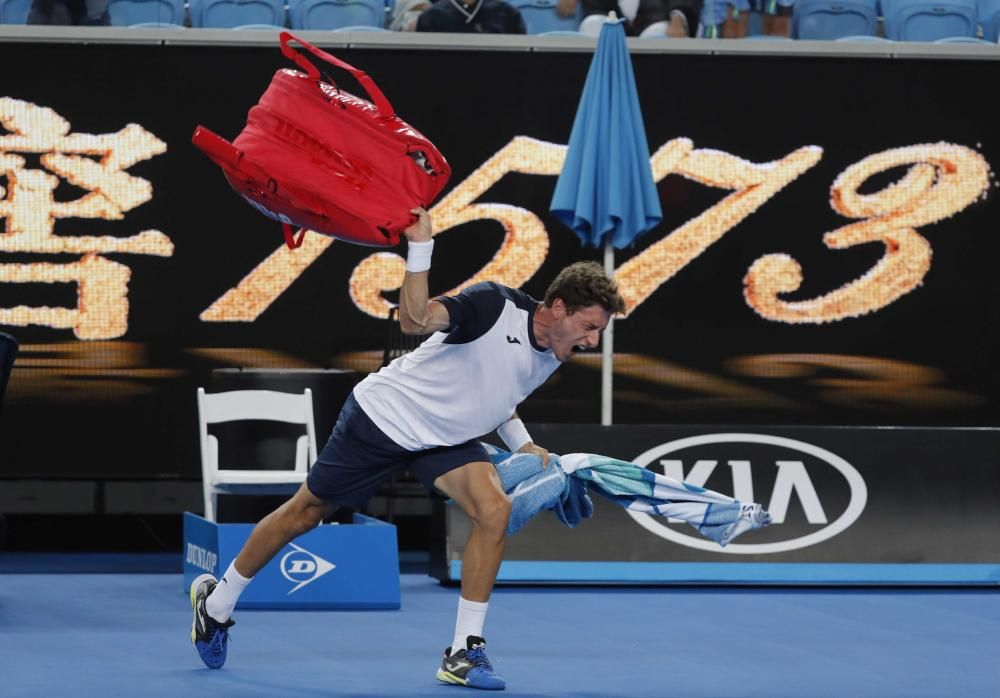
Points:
point(606, 189)
point(563, 487)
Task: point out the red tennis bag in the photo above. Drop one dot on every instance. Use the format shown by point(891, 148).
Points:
point(317, 157)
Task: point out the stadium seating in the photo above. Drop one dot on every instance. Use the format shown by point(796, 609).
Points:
point(227, 14)
point(920, 20)
point(540, 16)
point(126, 13)
point(14, 11)
point(335, 14)
point(864, 38)
point(962, 40)
point(833, 19)
point(361, 28)
point(989, 17)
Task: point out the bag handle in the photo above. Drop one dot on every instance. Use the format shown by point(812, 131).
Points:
point(385, 110)
point(290, 240)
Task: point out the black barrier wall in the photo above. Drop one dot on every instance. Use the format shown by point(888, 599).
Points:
point(888, 497)
point(825, 257)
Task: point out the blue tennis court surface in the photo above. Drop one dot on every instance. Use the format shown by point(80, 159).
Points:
point(128, 635)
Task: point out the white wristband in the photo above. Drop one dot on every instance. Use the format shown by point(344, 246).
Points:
point(418, 255)
point(513, 433)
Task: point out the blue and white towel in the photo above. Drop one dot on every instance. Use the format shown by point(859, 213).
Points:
point(563, 487)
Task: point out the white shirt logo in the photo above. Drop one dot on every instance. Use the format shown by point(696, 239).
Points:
point(302, 567)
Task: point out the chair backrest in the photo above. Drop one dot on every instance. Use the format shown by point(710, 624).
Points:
point(255, 405)
point(921, 20)
point(8, 352)
point(540, 16)
point(14, 11)
point(989, 17)
point(824, 20)
point(125, 13)
point(228, 14)
point(333, 14)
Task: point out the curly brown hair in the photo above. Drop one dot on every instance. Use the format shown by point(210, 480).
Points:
point(585, 283)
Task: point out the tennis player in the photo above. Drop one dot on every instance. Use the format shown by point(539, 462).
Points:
point(492, 347)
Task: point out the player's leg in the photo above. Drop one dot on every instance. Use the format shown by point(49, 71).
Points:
point(476, 488)
point(212, 601)
point(355, 460)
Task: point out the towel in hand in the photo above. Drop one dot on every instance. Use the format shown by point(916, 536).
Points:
point(564, 484)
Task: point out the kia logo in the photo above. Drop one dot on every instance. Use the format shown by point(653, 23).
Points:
point(302, 567)
point(792, 476)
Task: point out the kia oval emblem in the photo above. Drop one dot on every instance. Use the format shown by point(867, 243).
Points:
point(856, 505)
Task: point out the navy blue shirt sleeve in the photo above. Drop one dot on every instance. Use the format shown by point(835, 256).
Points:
point(473, 311)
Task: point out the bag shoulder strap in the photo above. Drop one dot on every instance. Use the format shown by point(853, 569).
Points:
point(385, 110)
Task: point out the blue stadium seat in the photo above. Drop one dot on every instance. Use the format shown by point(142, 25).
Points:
point(156, 25)
point(259, 27)
point(333, 14)
point(923, 20)
point(227, 14)
point(14, 11)
point(989, 18)
point(125, 13)
point(361, 28)
point(864, 38)
point(832, 19)
point(540, 16)
point(963, 40)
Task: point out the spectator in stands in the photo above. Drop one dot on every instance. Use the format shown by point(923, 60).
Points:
point(730, 19)
point(673, 18)
point(404, 19)
point(472, 16)
point(72, 12)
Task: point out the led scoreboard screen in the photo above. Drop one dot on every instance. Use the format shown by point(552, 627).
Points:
point(827, 253)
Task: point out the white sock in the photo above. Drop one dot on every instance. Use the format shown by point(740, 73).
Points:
point(471, 616)
point(221, 602)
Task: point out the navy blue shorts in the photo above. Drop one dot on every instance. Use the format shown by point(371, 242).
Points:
point(359, 457)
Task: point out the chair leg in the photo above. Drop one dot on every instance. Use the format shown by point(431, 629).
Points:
point(210, 501)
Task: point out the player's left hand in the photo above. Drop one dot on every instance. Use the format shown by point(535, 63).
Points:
point(530, 447)
point(422, 229)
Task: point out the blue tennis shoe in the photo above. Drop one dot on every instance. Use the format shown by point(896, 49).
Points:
point(209, 636)
point(470, 667)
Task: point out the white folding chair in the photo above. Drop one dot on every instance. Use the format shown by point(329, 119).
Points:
point(259, 405)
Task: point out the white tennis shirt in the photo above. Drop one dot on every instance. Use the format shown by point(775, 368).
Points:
point(463, 382)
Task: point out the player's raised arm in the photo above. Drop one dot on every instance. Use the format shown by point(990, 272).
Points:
point(418, 314)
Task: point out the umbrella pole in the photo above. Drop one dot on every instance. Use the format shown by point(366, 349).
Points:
point(607, 352)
